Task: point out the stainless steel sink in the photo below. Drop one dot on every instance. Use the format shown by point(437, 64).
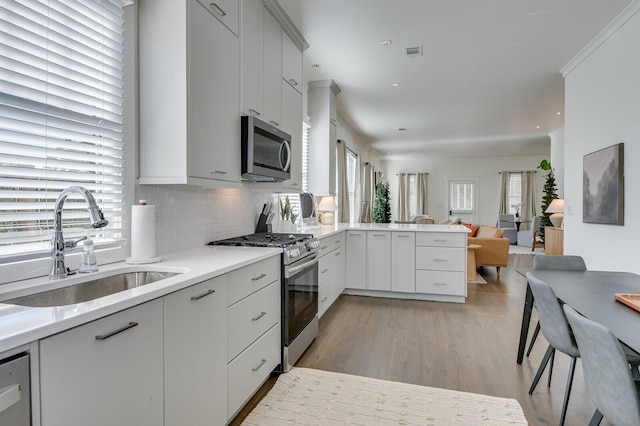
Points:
point(90, 290)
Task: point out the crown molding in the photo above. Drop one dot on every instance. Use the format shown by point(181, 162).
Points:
point(617, 23)
point(325, 83)
point(287, 24)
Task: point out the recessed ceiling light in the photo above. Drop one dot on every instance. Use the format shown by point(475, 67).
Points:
point(315, 66)
point(395, 84)
point(385, 43)
point(558, 113)
point(537, 127)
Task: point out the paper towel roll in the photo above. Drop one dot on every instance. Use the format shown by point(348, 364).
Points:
point(143, 234)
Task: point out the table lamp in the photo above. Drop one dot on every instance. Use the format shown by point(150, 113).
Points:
point(327, 205)
point(557, 209)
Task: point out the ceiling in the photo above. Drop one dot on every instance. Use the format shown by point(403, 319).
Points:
point(487, 83)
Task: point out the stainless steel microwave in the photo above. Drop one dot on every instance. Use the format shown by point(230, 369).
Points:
point(266, 151)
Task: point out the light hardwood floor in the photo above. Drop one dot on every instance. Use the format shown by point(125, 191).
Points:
point(469, 347)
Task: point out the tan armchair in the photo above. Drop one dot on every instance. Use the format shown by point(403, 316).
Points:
point(494, 250)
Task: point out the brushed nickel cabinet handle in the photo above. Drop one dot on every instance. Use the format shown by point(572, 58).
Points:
point(206, 293)
point(293, 82)
point(259, 316)
point(323, 247)
point(275, 123)
point(439, 260)
point(402, 236)
point(337, 254)
point(118, 331)
point(218, 9)
point(254, 112)
point(439, 283)
point(324, 299)
point(263, 362)
point(259, 277)
point(222, 172)
point(323, 271)
point(440, 240)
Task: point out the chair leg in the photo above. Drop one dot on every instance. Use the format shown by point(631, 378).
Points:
point(498, 269)
point(553, 357)
point(534, 337)
point(543, 364)
point(567, 391)
point(596, 419)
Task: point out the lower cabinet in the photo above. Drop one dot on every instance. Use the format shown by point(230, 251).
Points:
point(379, 260)
point(106, 372)
point(356, 268)
point(403, 262)
point(195, 356)
point(331, 267)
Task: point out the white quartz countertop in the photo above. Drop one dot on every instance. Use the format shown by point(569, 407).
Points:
point(321, 231)
point(20, 325)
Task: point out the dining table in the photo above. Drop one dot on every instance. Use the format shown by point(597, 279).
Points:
point(592, 294)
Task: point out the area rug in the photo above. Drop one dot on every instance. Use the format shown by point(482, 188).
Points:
point(313, 397)
point(479, 280)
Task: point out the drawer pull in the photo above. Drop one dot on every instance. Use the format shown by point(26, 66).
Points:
point(440, 240)
point(259, 277)
point(254, 112)
point(275, 123)
point(206, 293)
point(220, 11)
point(439, 260)
point(337, 254)
point(259, 316)
point(323, 247)
point(263, 362)
point(324, 299)
point(337, 241)
point(293, 82)
point(355, 235)
point(439, 283)
point(379, 235)
point(402, 236)
point(222, 172)
point(323, 271)
point(118, 331)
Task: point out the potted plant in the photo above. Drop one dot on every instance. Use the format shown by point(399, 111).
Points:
point(549, 194)
point(382, 206)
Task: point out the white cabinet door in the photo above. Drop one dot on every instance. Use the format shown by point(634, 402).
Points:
point(104, 373)
point(226, 11)
point(356, 259)
point(338, 276)
point(214, 130)
point(403, 262)
point(195, 329)
point(272, 71)
point(251, 51)
point(292, 124)
point(291, 63)
point(379, 260)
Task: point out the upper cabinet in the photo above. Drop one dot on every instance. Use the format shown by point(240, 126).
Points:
point(291, 63)
point(322, 136)
point(272, 44)
point(189, 93)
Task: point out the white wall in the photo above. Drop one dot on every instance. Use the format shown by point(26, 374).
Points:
point(557, 158)
point(483, 169)
point(602, 108)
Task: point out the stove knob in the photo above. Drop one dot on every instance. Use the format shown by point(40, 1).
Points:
point(294, 253)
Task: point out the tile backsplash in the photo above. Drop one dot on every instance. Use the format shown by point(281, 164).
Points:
point(191, 216)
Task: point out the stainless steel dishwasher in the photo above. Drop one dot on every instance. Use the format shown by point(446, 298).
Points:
point(15, 394)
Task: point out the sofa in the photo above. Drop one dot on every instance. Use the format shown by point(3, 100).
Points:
point(494, 250)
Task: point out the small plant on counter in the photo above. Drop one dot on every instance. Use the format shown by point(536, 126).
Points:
point(285, 209)
point(382, 206)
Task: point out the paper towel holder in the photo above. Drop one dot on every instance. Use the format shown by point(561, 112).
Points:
point(143, 260)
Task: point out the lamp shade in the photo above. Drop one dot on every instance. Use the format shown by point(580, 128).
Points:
point(327, 204)
point(557, 209)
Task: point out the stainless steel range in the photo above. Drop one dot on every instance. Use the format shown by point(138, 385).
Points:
point(300, 256)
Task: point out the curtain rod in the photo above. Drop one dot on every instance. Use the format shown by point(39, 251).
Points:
point(412, 173)
point(516, 171)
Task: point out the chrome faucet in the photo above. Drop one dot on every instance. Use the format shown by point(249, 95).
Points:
point(58, 244)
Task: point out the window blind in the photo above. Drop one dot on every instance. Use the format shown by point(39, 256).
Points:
point(61, 118)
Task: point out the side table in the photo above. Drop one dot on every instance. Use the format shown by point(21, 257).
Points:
point(472, 275)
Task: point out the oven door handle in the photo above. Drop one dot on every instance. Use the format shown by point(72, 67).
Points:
point(295, 269)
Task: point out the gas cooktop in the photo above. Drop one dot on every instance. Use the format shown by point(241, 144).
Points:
point(266, 239)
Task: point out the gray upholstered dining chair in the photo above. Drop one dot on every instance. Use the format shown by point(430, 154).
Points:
point(555, 263)
point(507, 222)
point(606, 374)
point(556, 330)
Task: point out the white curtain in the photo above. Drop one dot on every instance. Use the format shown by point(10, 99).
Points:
point(368, 193)
point(343, 184)
point(529, 210)
point(504, 194)
point(404, 208)
point(421, 193)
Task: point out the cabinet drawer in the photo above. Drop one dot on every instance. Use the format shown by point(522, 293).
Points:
point(441, 239)
point(330, 243)
point(225, 11)
point(247, 372)
point(324, 297)
point(250, 318)
point(441, 282)
point(326, 269)
point(247, 280)
point(440, 259)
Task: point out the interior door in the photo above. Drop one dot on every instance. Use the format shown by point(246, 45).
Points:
point(462, 199)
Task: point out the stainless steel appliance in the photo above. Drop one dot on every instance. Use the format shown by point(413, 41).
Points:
point(299, 320)
point(15, 395)
point(266, 151)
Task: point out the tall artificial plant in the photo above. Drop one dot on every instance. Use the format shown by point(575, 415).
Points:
point(382, 206)
point(549, 194)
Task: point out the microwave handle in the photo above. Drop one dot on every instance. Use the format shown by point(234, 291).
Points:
point(285, 144)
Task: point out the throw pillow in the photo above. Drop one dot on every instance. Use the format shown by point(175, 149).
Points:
point(472, 228)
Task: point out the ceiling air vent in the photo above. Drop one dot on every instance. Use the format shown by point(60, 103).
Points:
point(413, 51)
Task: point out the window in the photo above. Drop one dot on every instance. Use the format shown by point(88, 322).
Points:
point(305, 156)
point(352, 170)
point(461, 197)
point(515, 193)
point(61, 119)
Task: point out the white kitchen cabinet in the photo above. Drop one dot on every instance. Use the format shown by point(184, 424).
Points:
point(226, 11)
point(189, 96)
point(403, 262)
point(322, 136)
point(356, 268)
point(379, 260)
point(251, 51)
point(272, 88)
point(291, 63)
point(441, 264)
point(106, 372)
point(195, 330)
point(292, 124)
